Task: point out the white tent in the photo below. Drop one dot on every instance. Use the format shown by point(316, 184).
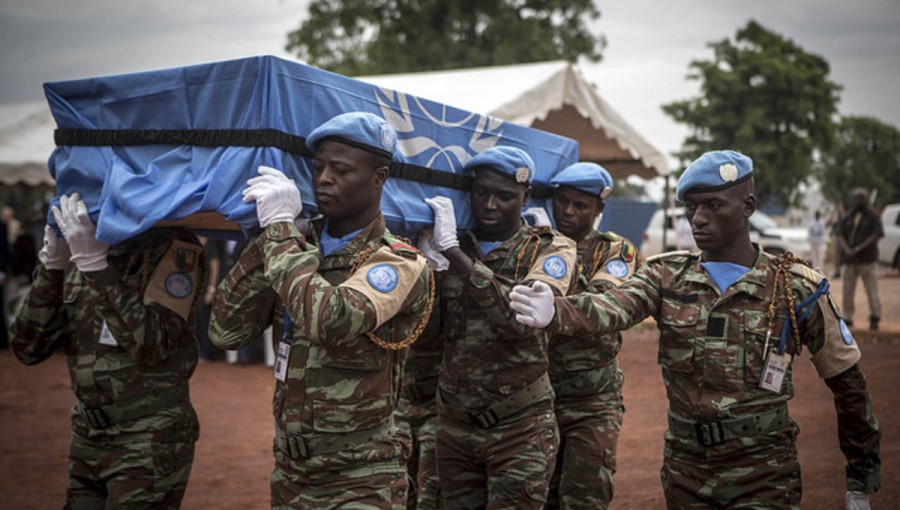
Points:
point(552, 96)
point(26, 141)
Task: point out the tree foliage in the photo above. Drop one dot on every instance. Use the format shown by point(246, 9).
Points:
point(356, 37)
point(866, 154)
point(766, 97)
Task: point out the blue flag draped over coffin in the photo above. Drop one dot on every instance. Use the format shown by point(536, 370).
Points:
point(165, 145)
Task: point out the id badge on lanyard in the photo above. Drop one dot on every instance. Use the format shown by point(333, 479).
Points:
point(283, 356)
point(777, 363)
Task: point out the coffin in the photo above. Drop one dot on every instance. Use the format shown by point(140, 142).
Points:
point(178, 145)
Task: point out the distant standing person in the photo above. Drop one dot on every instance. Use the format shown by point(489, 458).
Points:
point(859, 233)
point(816, 229)
point(835, 224)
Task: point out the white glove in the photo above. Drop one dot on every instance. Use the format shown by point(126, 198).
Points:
point(55, 252)
point(277, 197)
point(857, 500)
point(534, 305)
point(538, 215)
point(73, 219)
point(444, 223)
point(437, 261)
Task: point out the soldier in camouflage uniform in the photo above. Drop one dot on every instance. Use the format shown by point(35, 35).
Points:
point(497, 436)
point(123, 315)
point(731, 318)
point(345, 300)
point(584, 369)
point(418, 414)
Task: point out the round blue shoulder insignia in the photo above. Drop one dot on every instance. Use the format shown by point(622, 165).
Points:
point(845, 332)
point(179, 285)
point(383, 277)
point(617, 268)
point(555, 266)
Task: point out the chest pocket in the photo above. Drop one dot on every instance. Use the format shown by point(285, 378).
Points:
point(678, 328)
point(755, 325)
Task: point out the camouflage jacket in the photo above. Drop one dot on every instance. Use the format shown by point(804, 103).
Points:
point(605, 260)
point(711, 344)
point(423, 365)
point(127, 331)
point(488, 355)
point(338, 380)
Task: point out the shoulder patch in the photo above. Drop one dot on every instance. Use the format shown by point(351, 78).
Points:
point(670, 255)
point(617, 268)
point(178, 284)
point(399, 245)
point(174, 281)
point(628, 251)
point(383, 277)
point(556, 267)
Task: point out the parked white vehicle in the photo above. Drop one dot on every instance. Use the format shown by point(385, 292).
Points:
point(763, 230)
point(889, 245)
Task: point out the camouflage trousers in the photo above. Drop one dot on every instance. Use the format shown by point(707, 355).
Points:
point(507, 466)
point(762, 473)
point(364, 480)
point(589, 427)
point(420, 421)
point(136, 474)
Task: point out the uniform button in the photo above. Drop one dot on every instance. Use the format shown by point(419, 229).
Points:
point(668, 316)
point(547, 416)
point(690, 317)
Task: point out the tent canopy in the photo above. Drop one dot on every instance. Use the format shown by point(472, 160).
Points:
point(551, 96)
point(26, 141)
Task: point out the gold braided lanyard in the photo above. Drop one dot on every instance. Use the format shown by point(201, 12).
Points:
point(782, 266)
point(359, 260)
point(597, 259)
point(521, 254)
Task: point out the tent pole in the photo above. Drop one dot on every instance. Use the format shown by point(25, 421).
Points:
point(666, 206)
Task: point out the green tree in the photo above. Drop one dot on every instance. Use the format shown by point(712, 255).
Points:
point(866, 153)
point(356, 37)
point(766, 97)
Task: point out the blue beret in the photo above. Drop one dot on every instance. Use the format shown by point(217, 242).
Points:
point(590, 178)
point(510, 161)
point(713, 171)
point(363, 130)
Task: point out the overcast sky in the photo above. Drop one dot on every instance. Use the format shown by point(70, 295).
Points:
point(650, 44)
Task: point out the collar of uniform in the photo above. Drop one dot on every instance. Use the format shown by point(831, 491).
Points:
point(469, 243)
point(371, 232)
point(750, 282)
point(588, 240)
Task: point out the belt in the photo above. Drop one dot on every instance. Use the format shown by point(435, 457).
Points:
point(298, 447)
point(526, 397)
point(421, 391)
point(717, 432)
point(135, 407)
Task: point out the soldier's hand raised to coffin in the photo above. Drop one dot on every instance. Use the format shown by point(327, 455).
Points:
point(277, 197)
point(437, 261)
point(444, 223)
point(72, 217)
point(55, 252)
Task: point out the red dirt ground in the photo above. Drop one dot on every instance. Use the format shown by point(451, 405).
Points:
point(234, 456)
